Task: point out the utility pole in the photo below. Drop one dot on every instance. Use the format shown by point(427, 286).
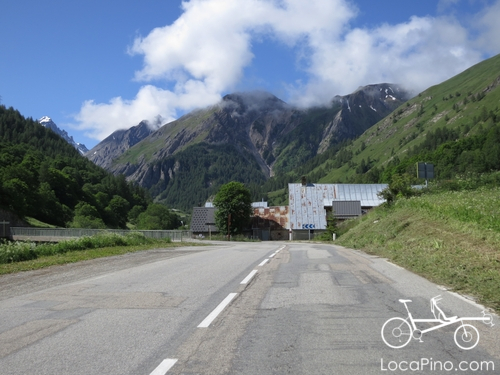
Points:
point(229, 226)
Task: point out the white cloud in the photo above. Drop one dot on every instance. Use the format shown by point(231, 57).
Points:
point(487, 22)
point(203, 54)
point(419, 53)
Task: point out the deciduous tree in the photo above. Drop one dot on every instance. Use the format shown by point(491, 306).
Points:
point(234, 208)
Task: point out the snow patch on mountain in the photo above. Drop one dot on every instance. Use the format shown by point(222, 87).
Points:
point(48, 123)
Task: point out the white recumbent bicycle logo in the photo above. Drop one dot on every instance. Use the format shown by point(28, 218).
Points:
point(397, 332)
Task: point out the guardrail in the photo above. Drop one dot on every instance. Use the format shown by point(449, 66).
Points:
point(65, 233)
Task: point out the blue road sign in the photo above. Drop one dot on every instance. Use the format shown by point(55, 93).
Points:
point(308, 226)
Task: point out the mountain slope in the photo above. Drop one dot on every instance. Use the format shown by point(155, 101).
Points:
point(269, 134)
point(48, 123)
point(44, 177)
point(117, 143)
point(457, 110)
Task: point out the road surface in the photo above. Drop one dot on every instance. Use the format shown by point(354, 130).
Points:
point(230, 308)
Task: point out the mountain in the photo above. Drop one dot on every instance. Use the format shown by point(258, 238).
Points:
point(44, 177)
point(247, 136)
point(455, 125)
point(48, 123)
point(117, 143)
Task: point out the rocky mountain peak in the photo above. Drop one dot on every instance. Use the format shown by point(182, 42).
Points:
point(48, 123)
point(117, 143)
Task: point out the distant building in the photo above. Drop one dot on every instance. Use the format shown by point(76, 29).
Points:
point(309, 203)
point(203, 221)
point(306, 214)
point(270, 223)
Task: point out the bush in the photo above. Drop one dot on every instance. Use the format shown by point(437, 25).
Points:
point(11, 252)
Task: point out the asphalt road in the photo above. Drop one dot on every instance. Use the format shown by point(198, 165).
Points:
point(238, 308)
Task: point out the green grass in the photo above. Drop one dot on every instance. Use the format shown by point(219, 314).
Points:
point(148, 148)
point(450, 238)
point(77, 256)
point(23, 256)
point(38, 224)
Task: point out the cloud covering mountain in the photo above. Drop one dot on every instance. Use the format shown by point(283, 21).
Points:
point(210, 48)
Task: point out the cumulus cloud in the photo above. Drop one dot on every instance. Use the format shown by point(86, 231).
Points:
point(417, 54)
point(489, 28)
point(204, 53)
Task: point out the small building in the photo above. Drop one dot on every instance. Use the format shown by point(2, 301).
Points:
point(308, 204)
point(203, 221)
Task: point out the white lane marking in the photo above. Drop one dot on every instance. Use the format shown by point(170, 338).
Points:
point(164, 366)
point(263, 262)
point(249, 277)
point(211, 317)
point(273, 254)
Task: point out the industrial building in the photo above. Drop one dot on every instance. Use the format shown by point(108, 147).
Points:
point(309, 204)
point(306, 214)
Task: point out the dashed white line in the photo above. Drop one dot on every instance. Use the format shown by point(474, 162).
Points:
point(273, 254)
point(164, 366)
point(249, 277)
point(211, 317)
point(263, 262)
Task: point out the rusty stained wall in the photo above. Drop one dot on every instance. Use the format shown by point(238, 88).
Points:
point(306, 205)
point(275, 217)
point(273, 221)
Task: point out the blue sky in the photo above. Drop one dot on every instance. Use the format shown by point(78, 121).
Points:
point(98, 66)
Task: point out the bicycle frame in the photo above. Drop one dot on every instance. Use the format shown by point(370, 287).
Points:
point(397, 332)
point(444, 323)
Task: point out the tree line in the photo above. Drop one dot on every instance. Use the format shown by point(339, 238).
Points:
point(44, 177)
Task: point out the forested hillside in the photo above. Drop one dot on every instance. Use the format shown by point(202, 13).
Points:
point(200, 170)
point(43, 177)
point(246, 137)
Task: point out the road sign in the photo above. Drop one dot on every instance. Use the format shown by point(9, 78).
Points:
point(425, 170)
point(308, 226)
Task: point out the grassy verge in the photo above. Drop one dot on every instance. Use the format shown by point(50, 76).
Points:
point(450, 238)
point(24, 256)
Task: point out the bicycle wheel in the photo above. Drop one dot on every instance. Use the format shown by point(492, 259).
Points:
point(466, 336)
point(396, 333)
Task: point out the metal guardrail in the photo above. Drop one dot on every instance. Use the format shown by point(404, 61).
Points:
point(174, 235)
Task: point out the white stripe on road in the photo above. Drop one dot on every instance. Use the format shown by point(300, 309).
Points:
point(164, 367)
point(263, 262)
point(249, 277)
point(273, 254)
point(211, 317)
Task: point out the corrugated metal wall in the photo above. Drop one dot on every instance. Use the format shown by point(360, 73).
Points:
point(306, 205)
point(307, 202)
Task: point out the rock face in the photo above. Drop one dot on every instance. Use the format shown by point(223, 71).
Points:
point(117, 143)
point(266, 131)
point(48, 123)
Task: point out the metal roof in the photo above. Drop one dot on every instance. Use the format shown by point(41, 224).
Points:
point(365, 193)
point(308, 202)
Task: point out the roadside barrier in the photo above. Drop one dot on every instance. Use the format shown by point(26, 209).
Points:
point(58, 234)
